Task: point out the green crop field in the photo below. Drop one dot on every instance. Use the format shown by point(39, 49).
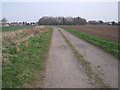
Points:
point(107, 45)
point(13, 28)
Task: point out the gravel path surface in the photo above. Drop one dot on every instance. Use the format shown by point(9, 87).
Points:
point(63, 69)
point(103, 63)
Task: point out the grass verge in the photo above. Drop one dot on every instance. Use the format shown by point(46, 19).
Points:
point(87, 66)
point(13, 28)
point(22, 62)
point(107, 45)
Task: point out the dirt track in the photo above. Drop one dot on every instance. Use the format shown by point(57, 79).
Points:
point(63, 70)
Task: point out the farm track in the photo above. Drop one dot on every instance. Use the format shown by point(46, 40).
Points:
point(63, 69)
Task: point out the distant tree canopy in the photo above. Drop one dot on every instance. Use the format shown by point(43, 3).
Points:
point(61, 21)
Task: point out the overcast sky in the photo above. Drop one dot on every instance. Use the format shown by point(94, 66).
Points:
point(32, 11)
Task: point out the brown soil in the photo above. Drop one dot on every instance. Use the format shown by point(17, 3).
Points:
point(105, 31)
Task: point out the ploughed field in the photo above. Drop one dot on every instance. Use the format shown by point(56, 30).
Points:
point(105, 31)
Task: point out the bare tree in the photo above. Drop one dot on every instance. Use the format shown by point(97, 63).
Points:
point(4, 21)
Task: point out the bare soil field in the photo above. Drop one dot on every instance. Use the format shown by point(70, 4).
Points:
point(105, 31)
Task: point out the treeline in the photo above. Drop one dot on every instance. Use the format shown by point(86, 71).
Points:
point(61, 21)
point(100, 22)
